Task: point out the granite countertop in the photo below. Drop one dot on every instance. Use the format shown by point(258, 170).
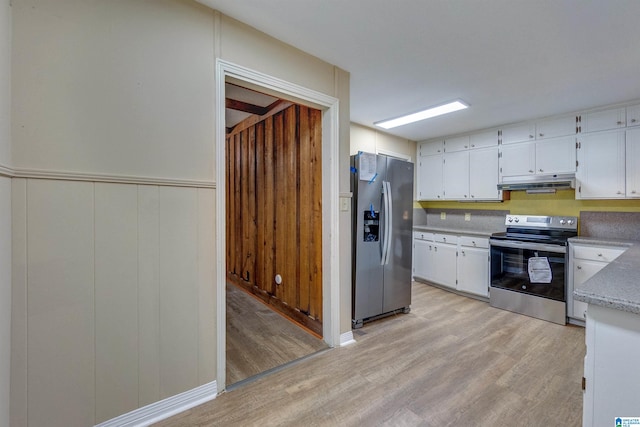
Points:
point(458, 231)
point(616, 286)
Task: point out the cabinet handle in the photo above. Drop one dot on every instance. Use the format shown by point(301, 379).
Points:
point(599, 254)
point(619, 122)
point(530, 171)
point(472, 196)
point(473, 145)
point(541, 134)
point(465, 195)
point(530, 136)
point(633, 192)
point(540, 170)
point(473, 242)
point(463, 253)
point(619, 192)
point(633, 120)
point(466, 146)
point(579, 267)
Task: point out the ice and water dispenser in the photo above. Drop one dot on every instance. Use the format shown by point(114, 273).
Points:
point(371, 225)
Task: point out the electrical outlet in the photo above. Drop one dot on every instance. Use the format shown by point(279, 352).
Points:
point(467, 216)
point(443, 215)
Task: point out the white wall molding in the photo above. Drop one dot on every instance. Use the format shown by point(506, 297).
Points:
point(120, 179)
point(347, 339)
point(166, 408)
point(6, 171)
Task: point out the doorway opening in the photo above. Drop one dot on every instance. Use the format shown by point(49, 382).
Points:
point(245, 77)
point(273, 235)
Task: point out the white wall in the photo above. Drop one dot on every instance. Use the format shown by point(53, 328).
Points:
point(5, 210)
point(113, 283)
point(119, 88)
point(372, 140)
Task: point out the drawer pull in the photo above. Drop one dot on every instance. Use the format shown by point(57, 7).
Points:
point(579, 267)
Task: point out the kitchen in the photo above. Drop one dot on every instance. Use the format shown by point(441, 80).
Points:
point(92, 138)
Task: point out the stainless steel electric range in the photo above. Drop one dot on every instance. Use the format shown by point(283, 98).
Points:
point(529, 266)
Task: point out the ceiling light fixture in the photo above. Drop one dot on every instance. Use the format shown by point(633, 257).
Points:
point(421, 115)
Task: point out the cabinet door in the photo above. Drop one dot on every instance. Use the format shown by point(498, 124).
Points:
point(583, 270)
point(431, 148)
point(633, 115)
point(483, 174)
point(557, 155)
point(518, 159)
point(518, 133)
point(555, 127)
point(483, 139)
point(602, 120)
point(421, 258)
point(473, 271)
point(443, 269)
point(633, 163)
point(429, 186)
point(601, 166)
point(456, 175)
point(458, 143)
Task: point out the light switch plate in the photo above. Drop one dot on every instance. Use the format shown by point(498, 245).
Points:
point(344, 204)
point(467, 216)
point(443, 215)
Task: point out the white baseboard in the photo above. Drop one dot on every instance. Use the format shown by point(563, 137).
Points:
point(346, 339)
point(166, 408)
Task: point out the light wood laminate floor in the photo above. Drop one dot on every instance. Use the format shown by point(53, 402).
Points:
point(259, 339)
point(452, 361)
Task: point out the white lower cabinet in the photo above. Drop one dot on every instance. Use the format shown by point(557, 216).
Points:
point(611, 374)
point(585, 261)
point(473, 266)
point(456, 262)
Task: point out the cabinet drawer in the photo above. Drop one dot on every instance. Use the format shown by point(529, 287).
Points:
point(606, 254)
point(445, 238)
point(422, 235)
point(474, 242)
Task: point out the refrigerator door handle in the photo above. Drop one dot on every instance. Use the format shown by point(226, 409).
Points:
point(388, 209)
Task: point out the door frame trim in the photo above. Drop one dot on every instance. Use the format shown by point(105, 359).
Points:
point(330, 196)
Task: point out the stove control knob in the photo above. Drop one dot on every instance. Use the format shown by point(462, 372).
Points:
point(517, 220)
point(509, 219)
point(562, 222)
point(570, 222)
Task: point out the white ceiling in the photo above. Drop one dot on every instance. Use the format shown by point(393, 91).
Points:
point(511, 60)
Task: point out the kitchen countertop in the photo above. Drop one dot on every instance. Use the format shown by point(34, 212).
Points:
point(616, 286)
point(457, 231)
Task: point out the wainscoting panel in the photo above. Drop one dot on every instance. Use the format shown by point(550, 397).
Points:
point(116, 290)
point(113, 296)
point(60, 303)
point(178, 290)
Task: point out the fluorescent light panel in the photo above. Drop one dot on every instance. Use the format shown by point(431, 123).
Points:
point(422, 115)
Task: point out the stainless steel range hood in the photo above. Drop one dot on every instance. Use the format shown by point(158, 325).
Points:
point(538, 183)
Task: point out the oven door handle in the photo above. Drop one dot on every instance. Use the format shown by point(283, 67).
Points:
point(527, 245)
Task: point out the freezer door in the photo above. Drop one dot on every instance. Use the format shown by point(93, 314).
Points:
point(367, 245)
point(397, 273)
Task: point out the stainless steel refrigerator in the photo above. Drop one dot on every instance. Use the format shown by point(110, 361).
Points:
point(382, 210)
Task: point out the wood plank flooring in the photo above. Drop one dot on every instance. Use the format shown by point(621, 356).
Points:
point(452, 361)
point(259, 339)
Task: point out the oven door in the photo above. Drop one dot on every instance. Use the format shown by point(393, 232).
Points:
point(529, 268)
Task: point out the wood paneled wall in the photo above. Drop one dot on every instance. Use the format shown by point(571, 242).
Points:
point(113, 298)
point(274, 211)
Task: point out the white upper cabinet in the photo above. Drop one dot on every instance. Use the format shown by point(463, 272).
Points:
point(518, 159)
point(601, 166)
point(555, 127)
point(633, 115)
point(633, 163)
point(483, 174)
point(429, 185)
point(557, 155)
point(518, 133)
point(431, 148)
point(483, 139)
point(602, 120)
point(456, 175)
point(458, 143)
